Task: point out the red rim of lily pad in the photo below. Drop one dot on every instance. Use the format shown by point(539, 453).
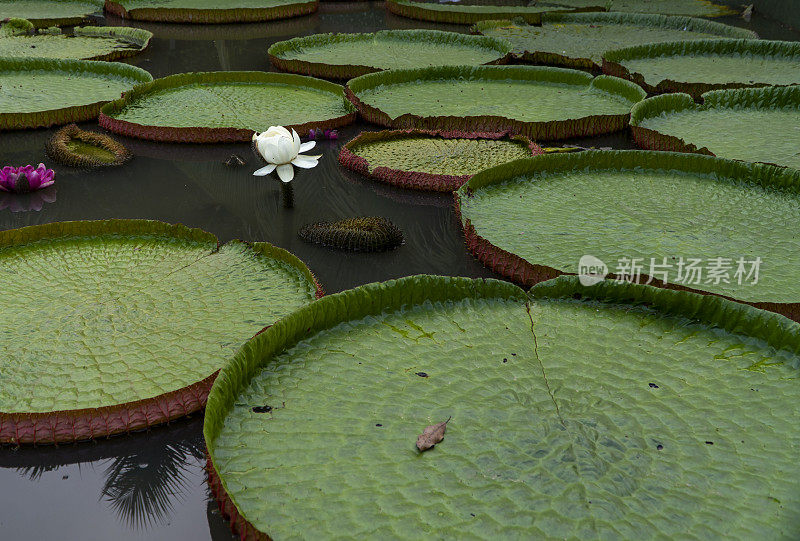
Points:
point(213, 135)
point(212, 16)
point(416, 180)
point(239, 525)
point(67, 426)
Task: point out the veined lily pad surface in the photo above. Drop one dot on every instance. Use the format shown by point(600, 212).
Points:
point(557, 428)
point(699, 66)
point(88, 43)
point(536, 218)
point(344, 56)
point(37, 92)
point(578, 40)
point(692, 8)
point(210, 11)
point(226, 106)
point(431, 160)
point(455, 13)
point(753, 124)
point(540, 102)
point(164, 306)
point(44, 13)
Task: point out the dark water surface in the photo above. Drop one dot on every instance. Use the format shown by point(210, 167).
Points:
point(152, 485)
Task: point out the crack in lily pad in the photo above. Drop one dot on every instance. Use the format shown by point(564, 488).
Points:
point(590, 450)
point(162, 305)
point(578, 40)
point(692, 8)
point(45, 13)
point(87, 43)
point(344, 56)
point(523, 99)
point(753, 124)
point(210, 11)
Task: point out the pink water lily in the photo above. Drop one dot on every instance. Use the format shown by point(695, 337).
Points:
point(281, 149)
point(26, 179)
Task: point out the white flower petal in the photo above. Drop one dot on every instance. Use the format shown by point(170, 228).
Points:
point(285, 150)
point(307, 146)
point(278, 130)
point(306, 162)
point(269, 151)
point(286, 172)
point(264, 171)
point(295, 142)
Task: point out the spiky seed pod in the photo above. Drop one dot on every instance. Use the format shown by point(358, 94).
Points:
point(363, 234)
point(73, 146)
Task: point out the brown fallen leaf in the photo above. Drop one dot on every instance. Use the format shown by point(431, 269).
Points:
point(432, 435)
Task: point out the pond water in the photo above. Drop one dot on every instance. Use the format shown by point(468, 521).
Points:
point(152, 485)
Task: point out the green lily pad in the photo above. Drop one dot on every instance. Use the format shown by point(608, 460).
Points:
point(537, 218)
point(125, 311)
point(344, 56)
point(615, 411)
point(469, 14)
point(87, 43)
point(45, 13)
point(226, 106)
point(692, 8)
point(578, 40)
point(430, 160)
point(39, 92)
point(699, 66)
point(753, 124)
point(539, 102)
point(209, 11)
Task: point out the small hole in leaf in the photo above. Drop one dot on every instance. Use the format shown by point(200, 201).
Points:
point(709, 443)
point(659, 446)
point(422, 374)
point(653, 385)
point(378, 424)
point(262, 409)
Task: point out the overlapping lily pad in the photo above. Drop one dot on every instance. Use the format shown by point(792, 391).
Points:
point(539, 102)
point(558, 428)
point(692, 8)
point(118, 325)
point(37, 92)
point(431, 160)
point(699, 66)
point(209, 11)
point(753, 124)
point(344, 56)
point(534, 219)
point(87, 43)
point(455, 13)
point(45, 13)
point(578, 40)
point(226, 106)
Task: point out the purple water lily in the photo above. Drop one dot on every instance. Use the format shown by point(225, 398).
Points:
point(320, 133)
point(25, 179)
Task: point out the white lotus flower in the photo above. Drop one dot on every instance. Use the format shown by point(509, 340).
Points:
point(281, 150)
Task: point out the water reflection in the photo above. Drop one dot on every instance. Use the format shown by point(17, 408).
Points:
point(24, 202)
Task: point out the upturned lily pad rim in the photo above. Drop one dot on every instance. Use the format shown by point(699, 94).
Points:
point(613, 61)
point(66, 21)
point(277, 50)
point(417, 180)
point(90, 423)
point(768, 97)
point(613, 17)
point(65, 115)
point(201, 134)
point(212, 16)
point(136, 37)
point(530, 273)
point(457, 14)
point(377, 298)
point(559, 129)
point(57, 148)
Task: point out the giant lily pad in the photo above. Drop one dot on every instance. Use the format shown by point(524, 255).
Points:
point(125, 322)
point(537, 218)
point(38, 92)
point(754, 124)
point(699, 66)
point(431, 160)
point(692, 8)
point(540, 102)
point(226, 106)
point(613, 411)
point(88, 43)
point(578, 40)
point(44, 13)
point(468, 14)
point(344, 56)
point(210, 11)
